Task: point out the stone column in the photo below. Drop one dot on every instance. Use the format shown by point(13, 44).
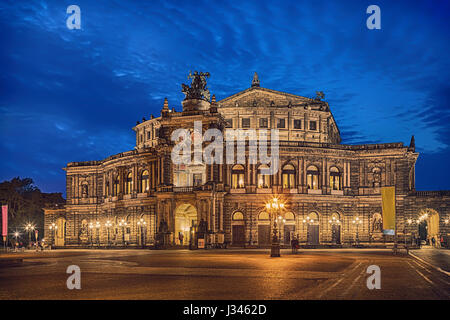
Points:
point(208, 214)
point(221, 216)
point(324, 176)
point(304, 174)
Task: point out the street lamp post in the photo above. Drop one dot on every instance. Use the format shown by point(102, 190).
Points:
point(273, 206)
point(334, 222)
point(53, 227)
point(141, 225)
point(303, 228)
point(123, 224)
point(91, 227)
point(357, 222)
point(97, 226)
point(16, 235)
point(29, 228)
point(307, 222)
point(108, 225)
point(281, 223)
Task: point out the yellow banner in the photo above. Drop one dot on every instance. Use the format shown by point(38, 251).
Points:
point(388, 200)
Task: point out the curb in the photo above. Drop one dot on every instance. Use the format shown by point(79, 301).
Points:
point(429, 264)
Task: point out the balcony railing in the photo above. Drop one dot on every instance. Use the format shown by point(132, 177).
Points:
point(439, 193)
point(183, 189)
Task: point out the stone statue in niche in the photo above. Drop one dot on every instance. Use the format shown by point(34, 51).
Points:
point(376, 177)
point(84, 191)
point(377, 223)
point(83, 232)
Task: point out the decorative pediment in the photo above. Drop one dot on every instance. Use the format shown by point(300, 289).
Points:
point(262, 97)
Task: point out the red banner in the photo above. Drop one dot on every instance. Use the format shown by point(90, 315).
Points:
point(5, 220)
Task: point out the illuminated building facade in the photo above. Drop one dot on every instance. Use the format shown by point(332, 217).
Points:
point(331, 191)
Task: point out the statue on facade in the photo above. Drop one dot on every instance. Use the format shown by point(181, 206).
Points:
point(377, 223)
point(198, 89)
point(83, 232)
point(376, 177)
point(84, 191)
point(319, 95)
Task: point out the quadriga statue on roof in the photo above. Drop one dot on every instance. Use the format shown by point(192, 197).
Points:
point(198, 89)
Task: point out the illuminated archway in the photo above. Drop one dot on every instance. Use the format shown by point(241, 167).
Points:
point(185, 221)
point(313, 232)
point(428, 221)
point(288, 228)
point(238, 229)
point(264, 235)
point(335, 228)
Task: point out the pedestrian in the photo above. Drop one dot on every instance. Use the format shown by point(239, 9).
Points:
point(293, 245)
point(433, 241)
point(180, 237)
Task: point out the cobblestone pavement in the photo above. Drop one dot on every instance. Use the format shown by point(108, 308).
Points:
point(220, 274)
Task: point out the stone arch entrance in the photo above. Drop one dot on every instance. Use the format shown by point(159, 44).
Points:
point(238, 229)
point(264, 236)
point(429, 226)
point(313, 235)
point(288, 230)
point(60, 232)
point(335, 223)
point(185, 224)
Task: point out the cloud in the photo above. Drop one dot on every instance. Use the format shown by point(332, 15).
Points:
point(70, 95)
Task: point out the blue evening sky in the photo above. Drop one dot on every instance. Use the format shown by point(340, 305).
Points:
point(74, 95)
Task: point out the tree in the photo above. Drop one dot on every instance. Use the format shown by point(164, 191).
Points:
point(25, 204)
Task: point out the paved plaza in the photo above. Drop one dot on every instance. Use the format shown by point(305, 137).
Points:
point(219, 274)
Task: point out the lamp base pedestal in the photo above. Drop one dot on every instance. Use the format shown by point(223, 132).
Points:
point(275, 250)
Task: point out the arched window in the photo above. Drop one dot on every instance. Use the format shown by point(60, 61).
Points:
point(313, 218)
point(263, 179)
point(335, 179)
point(116, 185)
point(263, 216)
point(312, 177)
point(289, 216)
point(129, 183)
point(335, 218)
point(237, 177)
point(238, 216)
point(107, 188)
point(144, 181)
point(288, 176)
